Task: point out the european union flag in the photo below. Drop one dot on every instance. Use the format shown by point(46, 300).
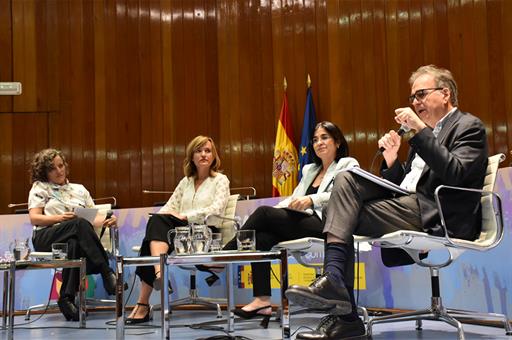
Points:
point(307, 131)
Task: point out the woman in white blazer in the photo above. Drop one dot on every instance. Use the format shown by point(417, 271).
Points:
point(274, 224)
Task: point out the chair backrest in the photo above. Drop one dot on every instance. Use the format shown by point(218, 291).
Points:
point(19, 208)
point(226, 226)
point(244, 192)
point(491, 219)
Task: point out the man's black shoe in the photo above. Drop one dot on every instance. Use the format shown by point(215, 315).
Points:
point(109, 282)
point(332, 327)
point(322, 294)
point(67, 308)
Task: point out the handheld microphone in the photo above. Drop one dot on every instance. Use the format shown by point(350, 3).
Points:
point(403, 129)
point(109, 215)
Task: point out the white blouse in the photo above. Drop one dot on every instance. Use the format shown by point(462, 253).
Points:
point(210, 198)
point(57, 199)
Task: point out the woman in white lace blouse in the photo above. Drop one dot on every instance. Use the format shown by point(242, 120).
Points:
point(201, 192)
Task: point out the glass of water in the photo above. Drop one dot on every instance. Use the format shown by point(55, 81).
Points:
point(246, 240)
point(180, 237)
point(59, 251)
point(201, 238)
point(8, 256)
point(216, 244)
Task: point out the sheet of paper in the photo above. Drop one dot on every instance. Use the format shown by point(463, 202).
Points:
point(378, 180)
point(87, 213)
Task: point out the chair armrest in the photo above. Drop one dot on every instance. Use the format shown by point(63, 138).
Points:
point(145, 191)
point(236, 220)
point(304, 245)
point(112, 199)
point(246, 189)
point(498, 216)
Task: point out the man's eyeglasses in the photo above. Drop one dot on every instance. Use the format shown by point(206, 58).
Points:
point(422, 94)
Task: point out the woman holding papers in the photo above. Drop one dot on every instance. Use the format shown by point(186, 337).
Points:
point(302, 213)
point(51, 202)
point(203, 191)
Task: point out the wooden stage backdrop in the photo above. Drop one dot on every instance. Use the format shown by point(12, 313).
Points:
point(122, 86)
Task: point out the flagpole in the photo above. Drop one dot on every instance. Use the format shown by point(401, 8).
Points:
point(308, 127)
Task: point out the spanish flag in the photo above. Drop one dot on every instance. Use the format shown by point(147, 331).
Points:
point(284, 170)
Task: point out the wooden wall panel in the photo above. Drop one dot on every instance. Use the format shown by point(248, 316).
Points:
point(495, 78)
point(121, 86)
point(167, 147)
point(23, 149)
point(100, 100)
point(229, 108)
point(6, 168)
point(24, 54)
point(6, 71)
point(506, 69)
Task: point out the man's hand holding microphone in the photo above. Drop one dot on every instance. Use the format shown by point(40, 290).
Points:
point(389, 144)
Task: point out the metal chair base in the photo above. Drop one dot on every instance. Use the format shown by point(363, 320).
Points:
point(88, 302)
point(39, 307)
point(439, 313)
point(361, 311)
point(194, 299)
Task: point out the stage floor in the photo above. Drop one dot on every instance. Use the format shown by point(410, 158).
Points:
point(100, 325)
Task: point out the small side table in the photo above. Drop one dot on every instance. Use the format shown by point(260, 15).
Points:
point(229, 258)
point(142, 261)
point(10, 269)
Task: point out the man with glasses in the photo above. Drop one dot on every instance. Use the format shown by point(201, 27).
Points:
point(448, 147)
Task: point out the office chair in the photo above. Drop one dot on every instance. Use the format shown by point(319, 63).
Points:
point(109, 238)
point(227, 225)
point(416, 243)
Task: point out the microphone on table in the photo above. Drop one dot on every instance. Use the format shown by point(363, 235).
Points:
point(403, 129)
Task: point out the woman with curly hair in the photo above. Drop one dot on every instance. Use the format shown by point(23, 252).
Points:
point(51, 202)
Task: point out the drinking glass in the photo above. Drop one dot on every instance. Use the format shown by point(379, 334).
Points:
point(216, 244)
point(246, 240)
point(201, 238)
point(20, 249)
point(59, 251)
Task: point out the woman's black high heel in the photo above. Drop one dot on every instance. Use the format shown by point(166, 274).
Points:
point(146, 318)
point(253, 314)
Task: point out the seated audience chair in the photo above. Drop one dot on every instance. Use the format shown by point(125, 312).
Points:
point(416, 243)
